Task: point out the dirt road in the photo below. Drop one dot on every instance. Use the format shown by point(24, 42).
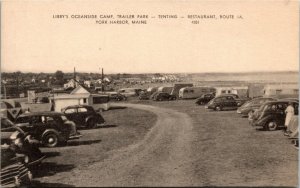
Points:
point(162, 158)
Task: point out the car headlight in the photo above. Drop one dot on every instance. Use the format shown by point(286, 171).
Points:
point(26, 159)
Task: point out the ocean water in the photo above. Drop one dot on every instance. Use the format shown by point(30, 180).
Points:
point(278, 77)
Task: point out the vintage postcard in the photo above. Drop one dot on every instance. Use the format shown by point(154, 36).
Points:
point(149, 93)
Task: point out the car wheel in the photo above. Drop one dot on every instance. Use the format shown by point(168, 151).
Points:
point(50, 140)
point(91, 123)
point(218, 108)
point(271, 125)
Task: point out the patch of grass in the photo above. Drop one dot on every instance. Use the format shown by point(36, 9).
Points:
point(124, 127)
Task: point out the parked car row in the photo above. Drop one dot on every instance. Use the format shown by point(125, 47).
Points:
point(20, 140)
point(265, 112)
point(157, 96)
point(224, 102)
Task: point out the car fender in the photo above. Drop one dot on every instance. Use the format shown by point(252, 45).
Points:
point(88, 118)
point(263, 121)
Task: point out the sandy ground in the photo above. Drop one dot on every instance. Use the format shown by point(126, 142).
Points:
point(187, 146)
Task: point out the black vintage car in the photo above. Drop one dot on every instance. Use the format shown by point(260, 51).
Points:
point(205, 98)
point(50, 128)
point(162, 96)
point(117, 97)
point(249, 107)
point(222, 102)
point(226, 102)
point(83, 116)
point(14, 172)
point(271, 115)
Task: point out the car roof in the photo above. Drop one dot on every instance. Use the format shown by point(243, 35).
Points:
point(289, 99)
point(46, 113)
point(280, 101)
point(227, 95)
point(79, 105)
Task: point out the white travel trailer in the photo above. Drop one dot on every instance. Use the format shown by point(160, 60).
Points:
point(194, 92)
point(165, 89)
point(239, 90)
point(129, 92)
point(281, 91)
point(178, 86)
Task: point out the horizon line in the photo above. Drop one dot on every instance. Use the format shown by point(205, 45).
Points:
point(235, 72)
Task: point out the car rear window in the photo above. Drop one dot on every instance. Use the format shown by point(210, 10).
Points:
point(82, 110)
point(70, 111)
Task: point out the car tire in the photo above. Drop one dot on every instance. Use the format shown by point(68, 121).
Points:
point(50, 140)
point(218, 108)
point(91, 123)
point(271, 125)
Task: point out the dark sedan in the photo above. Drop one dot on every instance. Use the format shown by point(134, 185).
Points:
point(162, 96)
point(271, 115)
point(249, 107)
point(205, 98)
point(50, 128)
point(83, 115)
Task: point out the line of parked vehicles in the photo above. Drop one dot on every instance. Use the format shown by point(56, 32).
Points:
point(267, 113)
point(21, 139)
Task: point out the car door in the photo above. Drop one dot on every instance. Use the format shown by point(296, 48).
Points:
point(280, 113)
point(37, 125)
point(82, 114)
point(230, 102)
point(296, 106)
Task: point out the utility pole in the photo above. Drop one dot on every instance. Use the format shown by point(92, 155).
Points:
point(18, 95)
point(74, 74)
point(4, 88)
point(102, 80)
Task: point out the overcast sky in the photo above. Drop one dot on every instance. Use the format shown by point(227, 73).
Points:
point(266, 39)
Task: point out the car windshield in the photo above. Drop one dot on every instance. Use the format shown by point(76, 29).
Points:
point(247, 104)
point(266, 107)
point(262, 107)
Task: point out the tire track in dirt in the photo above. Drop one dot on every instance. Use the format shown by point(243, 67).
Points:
point(162, 158)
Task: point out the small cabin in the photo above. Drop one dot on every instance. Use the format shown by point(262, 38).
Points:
point(80, 96)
